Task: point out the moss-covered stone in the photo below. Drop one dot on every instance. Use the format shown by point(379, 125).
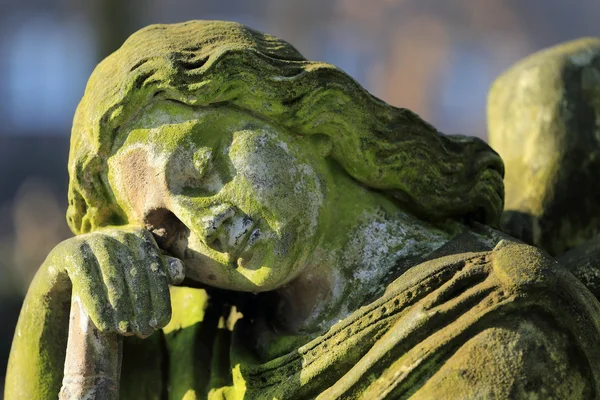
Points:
point(203, 63)
point(331, 240)
point(544, 120)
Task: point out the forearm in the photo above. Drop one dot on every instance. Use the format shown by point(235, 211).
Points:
point(121, 281)
point(36, 362)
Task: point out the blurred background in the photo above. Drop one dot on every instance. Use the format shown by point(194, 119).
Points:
point(436, 57)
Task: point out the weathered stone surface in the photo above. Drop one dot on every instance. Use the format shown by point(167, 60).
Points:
point(92, 361)
point(330, 245)
point(583, 261)
point(471, 325)
point(544, 120)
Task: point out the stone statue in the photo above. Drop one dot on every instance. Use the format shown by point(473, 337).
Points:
point(544, 120)
point(320, 243)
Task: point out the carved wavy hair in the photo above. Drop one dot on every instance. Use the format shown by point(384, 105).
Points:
point(202, 63)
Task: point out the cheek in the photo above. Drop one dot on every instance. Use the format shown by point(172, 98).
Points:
point(138, 185)
point(283, 189)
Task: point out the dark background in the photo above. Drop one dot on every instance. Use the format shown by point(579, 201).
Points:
point(436, 57)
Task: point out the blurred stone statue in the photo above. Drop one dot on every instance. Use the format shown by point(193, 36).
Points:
point(544, 120)
point(320, 243)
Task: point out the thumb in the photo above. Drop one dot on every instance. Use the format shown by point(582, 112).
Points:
point(175, 270)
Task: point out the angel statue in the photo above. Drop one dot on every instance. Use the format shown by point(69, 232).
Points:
point(253, 225)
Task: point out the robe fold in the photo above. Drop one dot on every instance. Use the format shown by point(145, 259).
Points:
point(505, 323)
point(493, 324)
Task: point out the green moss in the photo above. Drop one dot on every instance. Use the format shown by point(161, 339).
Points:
point(212, 63)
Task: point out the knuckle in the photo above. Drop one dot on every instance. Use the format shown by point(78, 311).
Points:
point(125, 327)
point(104, 325)
point(143, 330)
point(161, 319)
point(147, 331)
point(157, 269)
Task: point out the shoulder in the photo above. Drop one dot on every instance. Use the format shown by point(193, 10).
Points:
point(536, 321)
point(517, 357)
point(548, 327)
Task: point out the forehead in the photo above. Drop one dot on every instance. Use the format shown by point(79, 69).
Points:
point(170, 125)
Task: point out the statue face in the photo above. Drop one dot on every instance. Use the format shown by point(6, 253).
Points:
point(239, 200)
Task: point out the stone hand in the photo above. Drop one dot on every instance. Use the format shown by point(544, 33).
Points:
point(120, 277)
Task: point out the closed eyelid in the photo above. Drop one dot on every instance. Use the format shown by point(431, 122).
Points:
point(198, 171)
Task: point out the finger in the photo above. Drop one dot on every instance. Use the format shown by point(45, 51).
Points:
point(137, 285)
point(158, 285)
point(175, 270)
point(84, 272)
point(110, 255)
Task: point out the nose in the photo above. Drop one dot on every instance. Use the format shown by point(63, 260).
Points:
point(213, 225)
